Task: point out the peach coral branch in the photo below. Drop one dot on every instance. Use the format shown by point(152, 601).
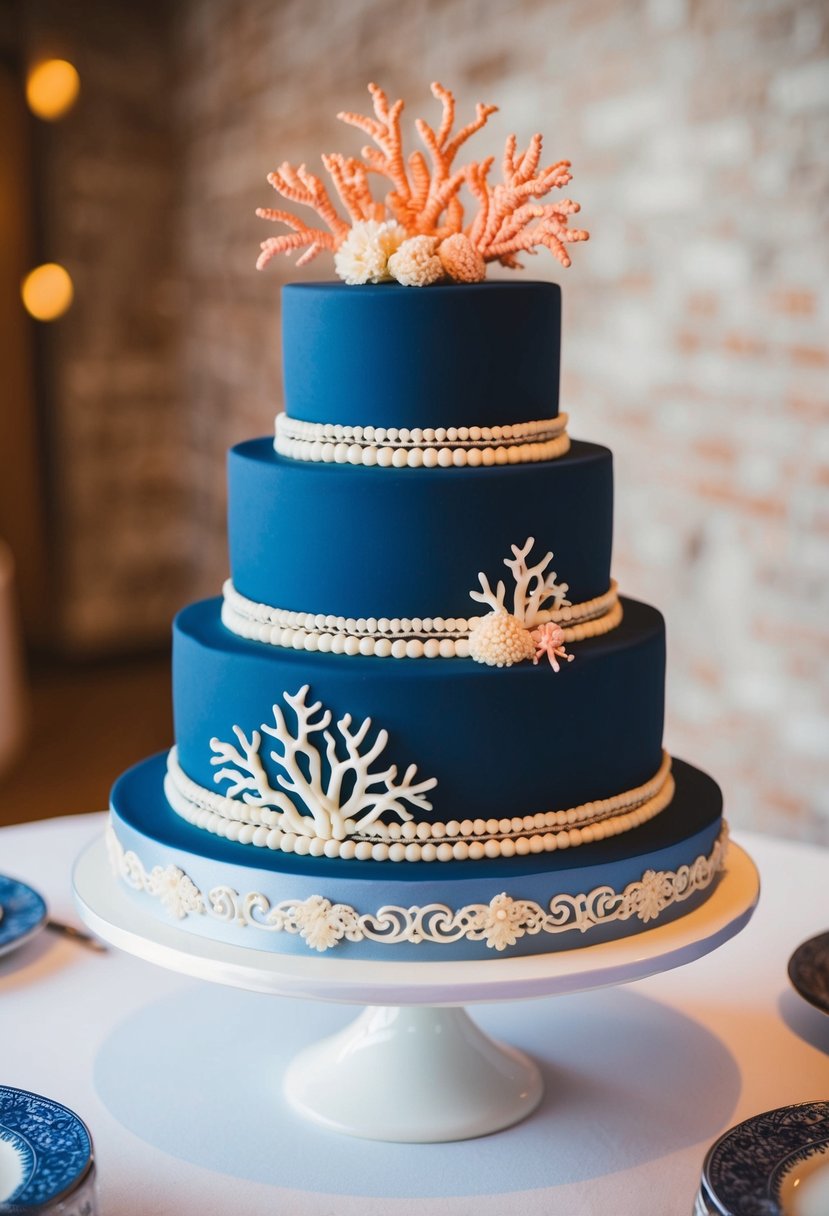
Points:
point(443, 187)
point(420, 196)
point(424, 200)
point(504, 224)
point(300, 186)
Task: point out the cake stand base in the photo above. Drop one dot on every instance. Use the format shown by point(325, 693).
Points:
point(415, 1074)
point(413, 1067)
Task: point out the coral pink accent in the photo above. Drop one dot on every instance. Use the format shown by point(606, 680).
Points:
point(461, 260)
point(549, 640)
point(424, 197)
point(504, 224)
point(300, 186)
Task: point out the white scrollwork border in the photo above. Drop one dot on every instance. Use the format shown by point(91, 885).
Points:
point(499, 924)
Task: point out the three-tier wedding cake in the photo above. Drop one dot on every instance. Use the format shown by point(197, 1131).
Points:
point(420, 723)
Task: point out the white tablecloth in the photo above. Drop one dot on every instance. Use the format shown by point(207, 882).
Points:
point(179, 1080)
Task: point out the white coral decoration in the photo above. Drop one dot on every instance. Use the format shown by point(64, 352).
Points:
point(363, 257)
point(504, 638)
point(342, 796)
point(500, 640)
point(416, 263)
point(502, 922)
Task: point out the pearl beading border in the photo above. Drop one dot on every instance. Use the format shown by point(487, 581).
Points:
point(397, 637)
point(427, 447)
point(468, 839)
point(499, 923)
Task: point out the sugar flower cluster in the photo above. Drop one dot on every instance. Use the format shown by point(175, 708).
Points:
point(417, 234)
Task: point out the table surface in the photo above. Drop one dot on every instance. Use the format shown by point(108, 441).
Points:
point(179, 1080)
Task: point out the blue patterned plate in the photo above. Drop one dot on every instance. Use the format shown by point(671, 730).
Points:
point(45, 1150)
point(809, 971)
point(24, 913)
point(750, 1170)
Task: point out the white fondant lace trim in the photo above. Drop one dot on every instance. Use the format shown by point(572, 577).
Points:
point(499, 923)
point(431, 448)
point(468, 839)
point(397, 637)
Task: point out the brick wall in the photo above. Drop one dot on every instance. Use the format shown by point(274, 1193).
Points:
point(117, 460)
point(697, 319)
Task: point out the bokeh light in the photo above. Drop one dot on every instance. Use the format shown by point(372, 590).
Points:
point(47, 291)
point(52, 88)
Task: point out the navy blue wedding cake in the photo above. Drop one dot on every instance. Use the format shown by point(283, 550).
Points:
point(420, 723)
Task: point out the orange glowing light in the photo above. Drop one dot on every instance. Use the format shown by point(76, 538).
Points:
point(47, 292)
point(52, 88)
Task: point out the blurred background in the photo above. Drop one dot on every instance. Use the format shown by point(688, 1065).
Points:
point(134, 143)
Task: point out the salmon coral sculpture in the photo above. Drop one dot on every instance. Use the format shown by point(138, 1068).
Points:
point(417, 234)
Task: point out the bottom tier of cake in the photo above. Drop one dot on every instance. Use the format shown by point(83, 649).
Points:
point(536, 904)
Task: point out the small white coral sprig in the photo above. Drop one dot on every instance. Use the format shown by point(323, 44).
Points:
point(424, 202)
point(503, 638)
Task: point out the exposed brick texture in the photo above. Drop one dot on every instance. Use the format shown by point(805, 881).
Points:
point(696, 338)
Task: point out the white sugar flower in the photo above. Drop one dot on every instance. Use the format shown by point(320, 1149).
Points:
point(502, 922)
point(416, 264)
point(363, 257)
point(319, 923)
point(652, 895)
point(178, 893)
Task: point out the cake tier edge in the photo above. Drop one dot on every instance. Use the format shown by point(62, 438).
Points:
point(221, 890)
point(367, 356)
point(493, 742)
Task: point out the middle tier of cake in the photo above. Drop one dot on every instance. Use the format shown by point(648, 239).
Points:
point(355, 542)
point(492, 742)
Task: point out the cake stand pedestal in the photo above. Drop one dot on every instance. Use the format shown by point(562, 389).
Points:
point(413, 1067)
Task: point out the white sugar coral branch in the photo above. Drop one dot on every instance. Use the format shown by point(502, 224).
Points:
point(341, 795)
point(493, 599)
point(250, 779)
point(534, 587)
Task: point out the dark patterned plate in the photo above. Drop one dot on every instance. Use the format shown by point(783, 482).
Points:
point(809, 971)
point(749, 1169)
point(47, 1150)
point(24, 913)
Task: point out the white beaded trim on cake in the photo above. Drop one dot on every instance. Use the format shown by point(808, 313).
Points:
point(397, 637)
point(468, 839)
point(427, 447)
point(499, 923)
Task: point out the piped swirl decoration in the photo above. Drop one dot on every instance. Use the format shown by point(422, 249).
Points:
point(428, 447)
point(499, 924)
point(258, 820)
point(417, 234)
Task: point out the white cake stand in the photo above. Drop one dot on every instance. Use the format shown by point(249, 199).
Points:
point(413, 1067)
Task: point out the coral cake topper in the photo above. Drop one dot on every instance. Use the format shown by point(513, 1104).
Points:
point(417, 234)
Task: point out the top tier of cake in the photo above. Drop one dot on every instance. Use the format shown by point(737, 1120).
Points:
point(459, 355)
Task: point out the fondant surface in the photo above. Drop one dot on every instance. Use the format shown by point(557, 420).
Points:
point(370, 542)
point(500, 742)
point(469, 354)
point(144, 823)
